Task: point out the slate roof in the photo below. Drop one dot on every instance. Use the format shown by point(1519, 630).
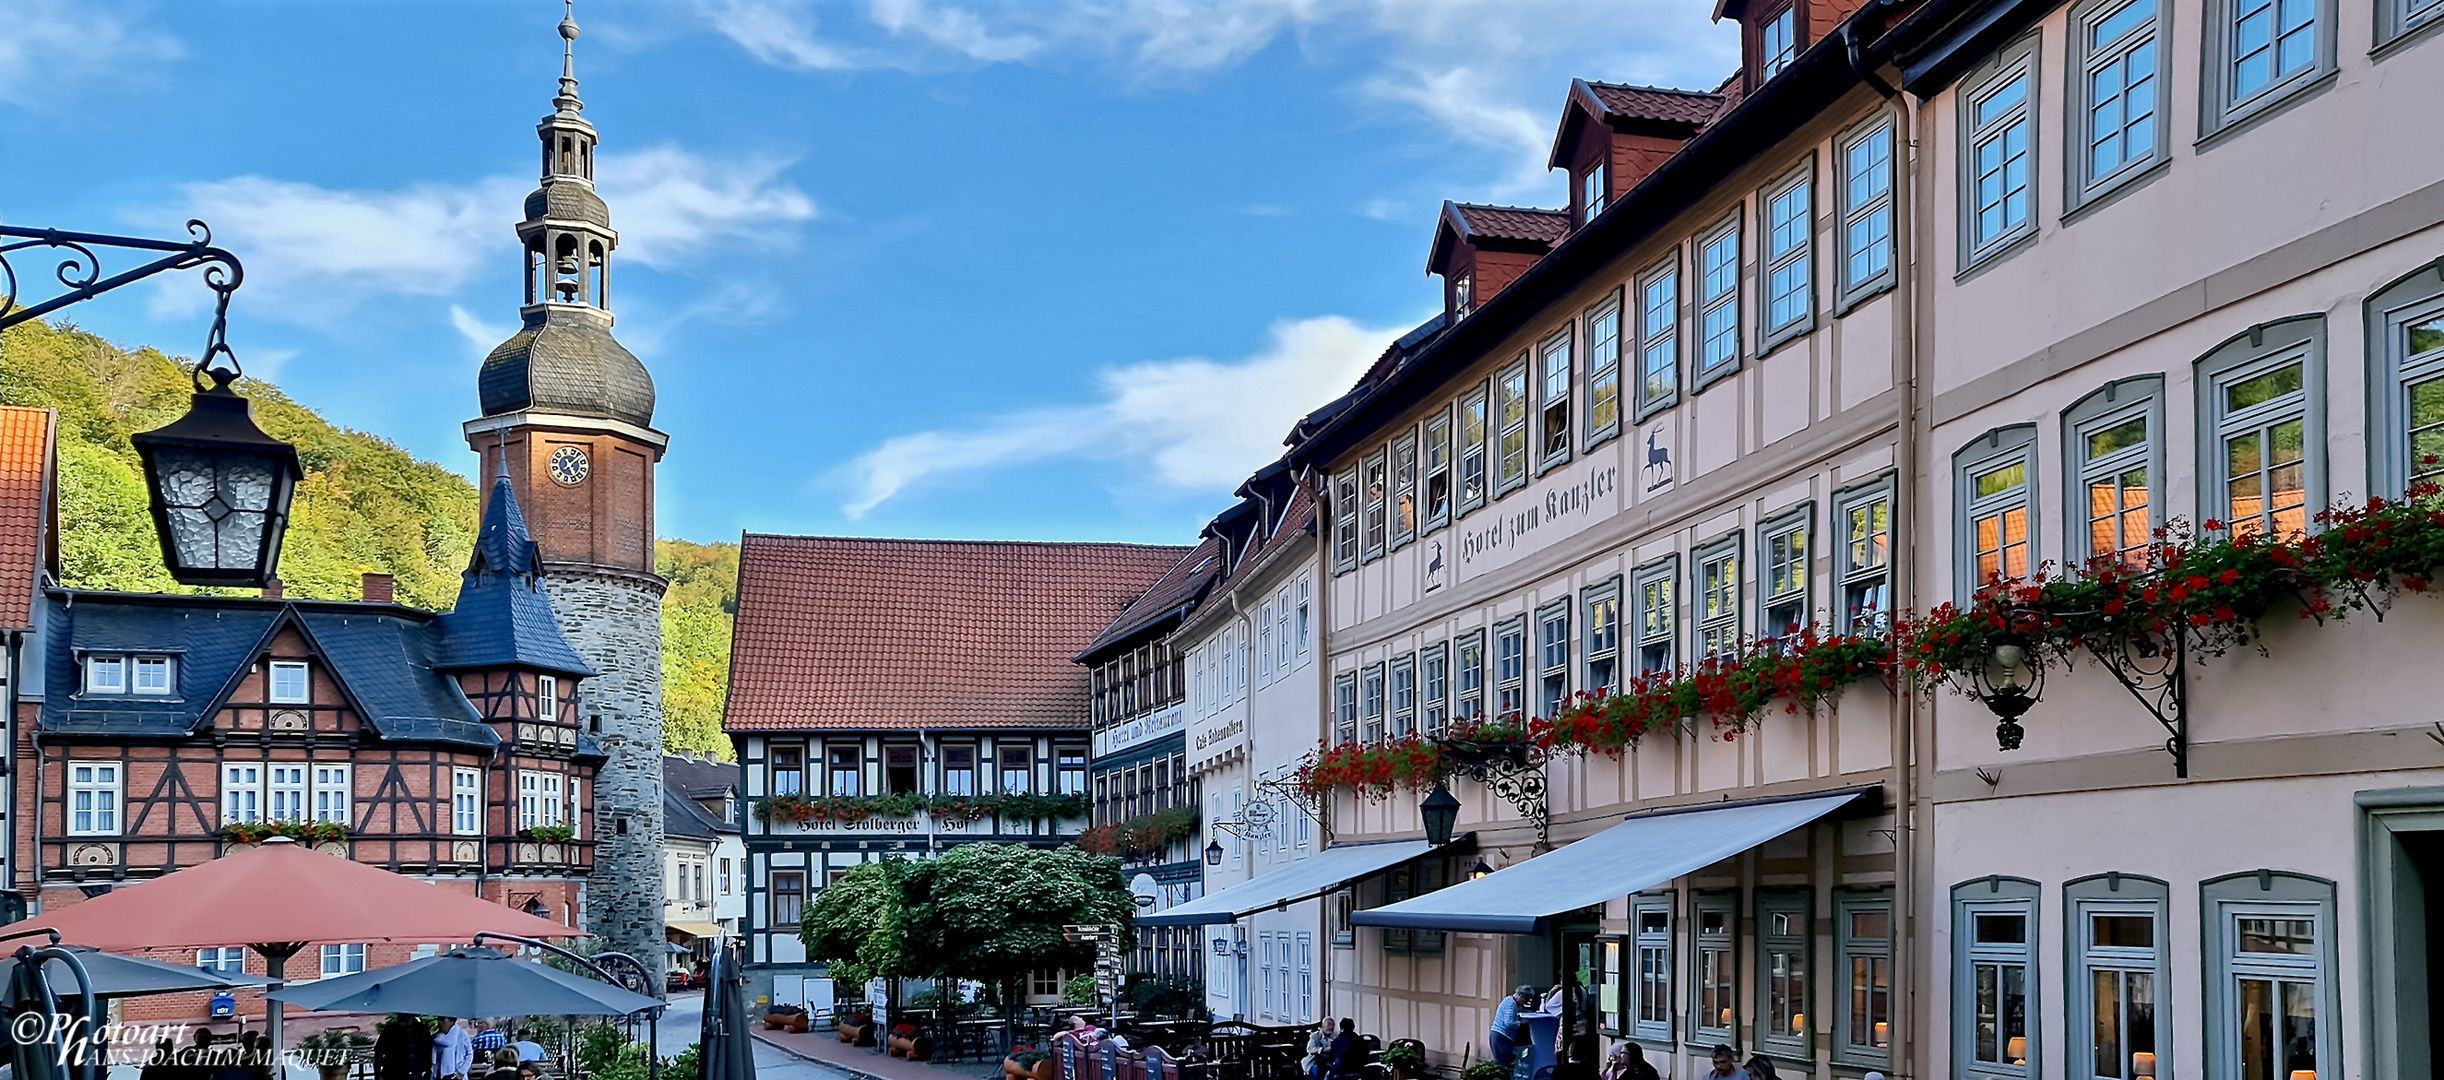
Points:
point(380, 654)
point(837, 633)
point(699, 778)
point(1180, 588)
point(683, 818)
point(27, 529)
point(564, 360)
point(504, 615)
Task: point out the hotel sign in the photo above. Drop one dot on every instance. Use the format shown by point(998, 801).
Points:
point(1523, 522)
point(914, 825)
point(1144, 729)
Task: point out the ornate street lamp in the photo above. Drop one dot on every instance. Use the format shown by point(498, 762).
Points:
point(220, 487)
point(1440, 812)
point(2009, 684)
point(1213, 853)
point(1479, 870)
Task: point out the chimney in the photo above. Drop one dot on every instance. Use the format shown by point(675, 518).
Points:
point(378, 589)
point(271, 589)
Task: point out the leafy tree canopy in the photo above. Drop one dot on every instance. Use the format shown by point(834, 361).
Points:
point(994, 912)
point(856, 924)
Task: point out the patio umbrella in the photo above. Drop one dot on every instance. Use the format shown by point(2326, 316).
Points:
point(126, 976)
point(469, 981)
point(729, 1053)
point(277, 899)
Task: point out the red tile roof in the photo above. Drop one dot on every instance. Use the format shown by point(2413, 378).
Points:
point(26, 525)
point(1184, 584)
point(844, 633)
point(1523, 223)
point(1662, 105)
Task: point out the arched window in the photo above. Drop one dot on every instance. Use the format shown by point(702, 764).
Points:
point(600, 267)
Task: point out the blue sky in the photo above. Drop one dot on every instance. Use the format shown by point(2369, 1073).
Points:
point(1063, 269)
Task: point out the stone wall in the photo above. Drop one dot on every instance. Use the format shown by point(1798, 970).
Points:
point(613, 618)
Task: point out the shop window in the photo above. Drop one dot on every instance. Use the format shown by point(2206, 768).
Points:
point(1862, 1020)
point(2261, 408)
point(1784, 944)
point(2120, 967)
point(1651, 1011)
point(1717, 1006)
point(2272, 1004)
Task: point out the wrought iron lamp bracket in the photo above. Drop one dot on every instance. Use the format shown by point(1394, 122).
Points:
point(2157, 674)
point(1287, 791)
point(1517, 779)
point(80, 273)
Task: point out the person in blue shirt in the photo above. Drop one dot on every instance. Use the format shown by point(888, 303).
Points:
point(1508, 1029)
point(1348, 1051)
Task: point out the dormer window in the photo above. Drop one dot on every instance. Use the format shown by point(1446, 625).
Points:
point(288, 683)
point(128, 675)
point(1778, 42)
point(1591, 193)
point(1463, 294)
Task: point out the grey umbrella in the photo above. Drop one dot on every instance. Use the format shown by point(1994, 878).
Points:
point(729, 1053)
point(114, 975)
point(468, 981)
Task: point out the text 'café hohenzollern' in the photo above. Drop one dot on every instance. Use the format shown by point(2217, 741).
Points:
point(1667, 551)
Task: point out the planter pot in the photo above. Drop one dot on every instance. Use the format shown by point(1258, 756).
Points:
point(900, 1046)
point(774, 1021)
point(797, 1024)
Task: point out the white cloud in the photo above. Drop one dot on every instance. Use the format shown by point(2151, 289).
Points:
point(50, 46)
point(955, 29)
point(669, 204)
point(782, 35)
point(314, 253)
point(1190, 424)
point(1459, 100)
point(482, 337)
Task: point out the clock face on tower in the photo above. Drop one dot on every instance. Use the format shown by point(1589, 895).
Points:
point(568, 465)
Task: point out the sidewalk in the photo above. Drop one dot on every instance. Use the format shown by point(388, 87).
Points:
point(825, 1048)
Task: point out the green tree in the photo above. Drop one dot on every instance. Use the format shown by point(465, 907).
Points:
point(696, 615)
point(858, 924)
point(994, 912)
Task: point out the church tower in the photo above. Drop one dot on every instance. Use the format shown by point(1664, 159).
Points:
point(568, 417)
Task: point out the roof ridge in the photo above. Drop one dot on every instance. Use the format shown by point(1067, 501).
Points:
point(1513, 209)
point(1654, 89)
point(743, 536)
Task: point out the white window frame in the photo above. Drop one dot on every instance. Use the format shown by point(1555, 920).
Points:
point(2011, 131)
point(466, 801)
point(1995, 896)
point(1863, 514)
point(1404, 695)
point(154, 676)
point(1591, 192)
point(1512, 421)
point(1604, 370)
point(1651, 1014)
point(1374, 502)
point(1371, 701)
point(241, 791)
point(1404, 490)
point(2279, 895)
point(334, 793)
point(1984, 456)
point(2112, 407)
point(2395, 316)
point(1345, 708)
point(2084, 900)
point(1786, 584)
point(1474, 456)
point(1600, 607)
point(1306, 617)
point(1345, 517)
point(1556, 378)
point(2226, 102)
point(1434, 689)
point(1285, 653)
point(1871, 1047)
point(288, 791)
point(338, 960)
point(547, 698)
point(1463, 294)
point(1777, 42)
point(1264, 643)
point(1655, 591)
point(2095, 58)
point(1863, 175)
point(95, 797)
point(1436, 494)
point(1719, 284)
point(1552, 658)
point(1658, 336)
point(277, 672)
point(2254, 354)
point(1715, 600)
point(1510, 669)
point(106, 675)
point(222, 960)
point(1786, 235)
point(1468, 676)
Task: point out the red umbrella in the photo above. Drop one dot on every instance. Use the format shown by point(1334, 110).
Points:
point(280, 898)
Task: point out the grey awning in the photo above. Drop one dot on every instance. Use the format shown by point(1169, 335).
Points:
point(1639, 853)
point(1312, 876)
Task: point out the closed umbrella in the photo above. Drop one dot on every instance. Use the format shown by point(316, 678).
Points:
point(277, 899)
point(470, 981)
point(729, 1052)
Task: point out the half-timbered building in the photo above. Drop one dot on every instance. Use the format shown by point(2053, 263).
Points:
point(157, 731)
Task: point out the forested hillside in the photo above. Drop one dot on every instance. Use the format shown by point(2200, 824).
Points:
point(365, 506)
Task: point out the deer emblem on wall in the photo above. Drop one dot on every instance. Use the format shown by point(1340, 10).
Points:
point(1658, 470)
